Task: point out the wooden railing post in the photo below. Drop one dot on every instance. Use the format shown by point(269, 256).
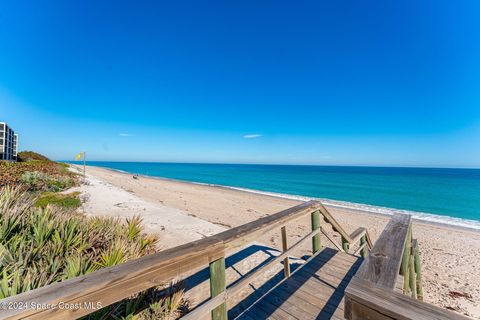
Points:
point(418, 270)
point(316, 244)
point(405, 266)
point(413, 277)
point(286, 261)
point(217, 286)
point(364, 252)
point(371, 293)
point(345, 245)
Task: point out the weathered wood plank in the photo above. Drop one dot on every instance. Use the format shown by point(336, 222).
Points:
point(287, 305)
point(406, 253)
point(356, 235)
point(311, 292)
point(267, 310)
point(313, 300)
point(324, 291)
point(382, 265)
point(390, 304)
point(357, 311)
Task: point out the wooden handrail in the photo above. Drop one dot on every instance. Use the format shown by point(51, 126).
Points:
point(356, 235)
point(348, 240)
point(364, 300)
point(371, 292)
point(382, 265)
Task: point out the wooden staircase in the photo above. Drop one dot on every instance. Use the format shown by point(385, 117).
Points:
point(314, 291)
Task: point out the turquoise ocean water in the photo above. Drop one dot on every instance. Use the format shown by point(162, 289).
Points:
point(443, 195)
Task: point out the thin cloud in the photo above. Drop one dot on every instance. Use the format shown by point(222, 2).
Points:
point(125, 135)
point(252, 136)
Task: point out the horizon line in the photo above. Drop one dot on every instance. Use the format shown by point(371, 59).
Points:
point(283, 164)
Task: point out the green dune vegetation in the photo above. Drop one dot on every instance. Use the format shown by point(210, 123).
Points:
point(43, 239)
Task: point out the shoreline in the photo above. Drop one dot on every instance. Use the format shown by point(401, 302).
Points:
point(421, 217)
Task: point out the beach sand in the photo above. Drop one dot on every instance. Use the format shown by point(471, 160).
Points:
point(175, 227)
point(450, 255)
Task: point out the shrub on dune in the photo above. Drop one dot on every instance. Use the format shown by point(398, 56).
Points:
point(36, 175)
point(36, 180)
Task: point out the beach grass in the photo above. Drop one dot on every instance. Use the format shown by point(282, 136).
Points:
point(37, 175)
point(43, 244)
point(70, 200)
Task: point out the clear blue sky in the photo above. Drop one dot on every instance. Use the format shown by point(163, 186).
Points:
point(308, 82)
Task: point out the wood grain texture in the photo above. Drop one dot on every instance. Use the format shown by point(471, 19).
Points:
point(412, 278)
point(418, 269)
point(286, 261)
point(311, 292)
point(218, 285)
point(382, 265)
point(384, 304)
point(356, 235)
point(315, 220)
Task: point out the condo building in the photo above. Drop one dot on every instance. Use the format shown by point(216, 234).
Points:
point(8, 143)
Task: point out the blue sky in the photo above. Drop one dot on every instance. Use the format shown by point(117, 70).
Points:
point(303, 82)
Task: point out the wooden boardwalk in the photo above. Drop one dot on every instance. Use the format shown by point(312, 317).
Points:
point(357, 281)
point(315, 291)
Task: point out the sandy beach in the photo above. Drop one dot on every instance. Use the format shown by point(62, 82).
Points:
point(179, 212)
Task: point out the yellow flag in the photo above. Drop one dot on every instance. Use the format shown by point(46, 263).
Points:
point(79, 156)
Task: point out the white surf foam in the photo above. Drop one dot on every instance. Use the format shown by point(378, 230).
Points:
point(423, 216)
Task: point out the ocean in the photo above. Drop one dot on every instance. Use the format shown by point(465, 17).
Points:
point(436, 194)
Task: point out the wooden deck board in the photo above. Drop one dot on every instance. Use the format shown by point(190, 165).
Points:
point(316, 291)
